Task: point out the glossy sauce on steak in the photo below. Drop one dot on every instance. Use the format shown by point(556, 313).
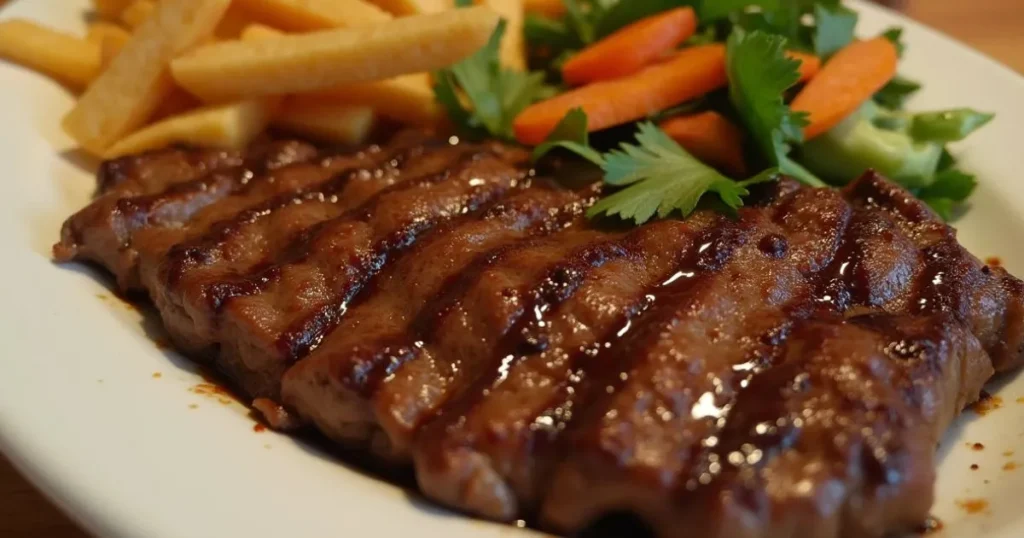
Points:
point(785, 372)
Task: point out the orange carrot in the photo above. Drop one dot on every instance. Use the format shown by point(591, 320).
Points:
point(687, 75)
point(809, 64)
point(711, 138)
point(849, 79)
point(632, 48)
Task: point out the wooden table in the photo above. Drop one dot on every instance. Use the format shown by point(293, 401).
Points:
point(995, 27)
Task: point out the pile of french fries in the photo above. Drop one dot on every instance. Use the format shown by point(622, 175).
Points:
point(218, 73)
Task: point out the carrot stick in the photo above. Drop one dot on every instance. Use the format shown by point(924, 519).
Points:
point(710, 138)
point(809, 64)
point(632, 48)
point(687, 75)
point(849, 79)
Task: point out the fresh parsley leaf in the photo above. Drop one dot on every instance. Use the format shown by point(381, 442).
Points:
point(946, 160)
point(495, 95)
point(950, 189)
point(759, 74)
point(895, 34)
point(894, 95)
point(571, 134)
point(463, 3)
point(660, 178)
point(834, 28)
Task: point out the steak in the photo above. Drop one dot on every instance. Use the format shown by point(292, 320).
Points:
point(787, 371)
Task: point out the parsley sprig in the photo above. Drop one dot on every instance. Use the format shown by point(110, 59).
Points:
point(759, 75)
point(657, 176)
point(495, 95)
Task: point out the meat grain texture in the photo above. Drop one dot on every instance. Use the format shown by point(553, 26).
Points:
point(784, 373)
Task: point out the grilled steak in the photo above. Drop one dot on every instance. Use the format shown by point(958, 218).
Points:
point(787, 372)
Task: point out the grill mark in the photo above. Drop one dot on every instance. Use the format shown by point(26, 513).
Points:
point(806, 259)
point(346, 360)
point(291, 344)
point(449, 434)
point(534, 294)
point(299, 250)
point(197, 251)
point(260, 347)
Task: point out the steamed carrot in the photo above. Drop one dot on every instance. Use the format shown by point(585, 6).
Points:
point(845, 82)
point(689, 74)
point(809, 64)
point(710, 138)
point(632, 48)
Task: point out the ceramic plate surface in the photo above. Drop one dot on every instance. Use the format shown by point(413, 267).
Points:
point(128, 453)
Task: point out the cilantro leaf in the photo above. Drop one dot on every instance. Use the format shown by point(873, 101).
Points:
point(626, 12)
point(660, 177)
point(834, 28)
point(495, 94)
point(759, 74)
point(571, 134)
point(463, 3)
point(895, 94)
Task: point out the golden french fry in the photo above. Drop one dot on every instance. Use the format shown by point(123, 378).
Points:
point(67, 58)
point(98, 31)
point(110, 9)
point(551, 8)
point(406, 99)
point(403, 8)
point(231, 126)
point(137, 12)
point(122, 98)
point(260, 31)
point(513, 46)
point(327, 59)
point(233, 23)
point(327, 121)
point(307, 15)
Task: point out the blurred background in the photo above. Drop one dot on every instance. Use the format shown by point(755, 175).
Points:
point(995, 27)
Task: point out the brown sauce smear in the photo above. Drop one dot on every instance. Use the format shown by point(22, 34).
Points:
point(978, 447)
point(974, 466)
point(259, 428)
point(157, 375)
point(1010, 466)
point(994, 261)
point(973, 506)
point(986, 404)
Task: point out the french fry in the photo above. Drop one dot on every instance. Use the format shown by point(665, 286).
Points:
point(234, 22)
point(260, 31)
point(231, 126)
point(513, 47)
point(128, 92)
point(309, 15)
point(327, 121)
point(98, 31)
point(110, 9)
point(137, 12)
point(402, 8)
point(551, 8)
point(407, 98)
point(327, 59)
point(67, 58)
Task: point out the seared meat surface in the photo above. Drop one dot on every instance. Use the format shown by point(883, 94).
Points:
point(785, 372)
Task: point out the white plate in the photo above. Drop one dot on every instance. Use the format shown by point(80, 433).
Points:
point(83, 417)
